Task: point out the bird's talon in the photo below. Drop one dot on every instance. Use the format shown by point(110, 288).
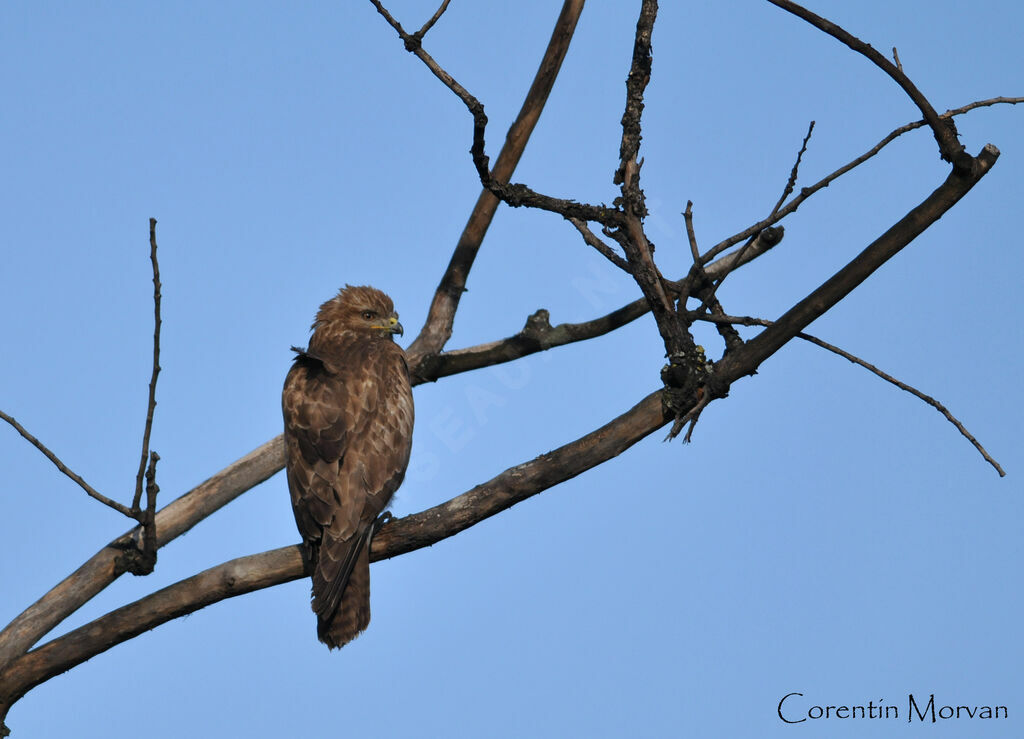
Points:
point(378, 522)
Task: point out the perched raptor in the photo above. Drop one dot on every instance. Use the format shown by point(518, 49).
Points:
point(348, 418)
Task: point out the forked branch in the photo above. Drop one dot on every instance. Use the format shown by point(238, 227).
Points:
point(944, 130)
point(283, 565)
point(441, 317)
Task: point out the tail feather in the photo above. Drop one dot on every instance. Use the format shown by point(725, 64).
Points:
point(335, 562)
point(351, 616)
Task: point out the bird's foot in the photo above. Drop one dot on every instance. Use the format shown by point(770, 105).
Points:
point(382, 519)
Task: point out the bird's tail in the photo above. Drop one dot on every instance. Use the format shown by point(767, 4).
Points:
point(341, 590)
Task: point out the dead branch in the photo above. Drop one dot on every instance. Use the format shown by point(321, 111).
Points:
point(751, 321)
point(603, 249)
point(400, 536)
point(441, 317)
point(433, 19)
point(107, 564)
point(691, 236)
point(793, 173)
point(151, 404)
point(21, 670)
point(232, 578)
point(824, 182)
point(943, 129)
point(185, 512)
point(796, 319)
point(913, 391)
point(65, 469)
point(539, 335)
point(536, 336)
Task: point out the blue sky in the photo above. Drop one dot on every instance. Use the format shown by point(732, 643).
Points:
point(824, 532)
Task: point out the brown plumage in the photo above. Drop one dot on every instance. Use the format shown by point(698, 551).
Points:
point(348, 418)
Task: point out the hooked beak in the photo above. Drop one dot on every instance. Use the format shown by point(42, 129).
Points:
point(394, 327)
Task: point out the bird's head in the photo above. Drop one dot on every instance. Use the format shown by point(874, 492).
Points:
point(363, 310)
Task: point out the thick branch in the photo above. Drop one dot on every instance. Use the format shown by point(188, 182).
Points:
point(537, 335)
point(441, 316)
point(232, 578)
point(746, 359)
point(284, 565)
point(630, 235)
point(107, 565)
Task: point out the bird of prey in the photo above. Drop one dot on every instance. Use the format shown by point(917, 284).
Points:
point(348, 417)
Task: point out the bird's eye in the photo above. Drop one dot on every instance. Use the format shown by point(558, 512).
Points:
point(369, 314)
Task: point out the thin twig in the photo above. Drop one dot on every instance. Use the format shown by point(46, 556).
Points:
point(751, 321)
point(849, 277)
point(65, 469)
point(709, 295)
point(151, 404)
point(691, 235)
point(516, 195)
point(606, 251)
point(692, 416)
point(824, 182)
point(791, 182)
point(896, 58)
point(430, 23)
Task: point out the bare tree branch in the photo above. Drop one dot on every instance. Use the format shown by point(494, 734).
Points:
point(232, 578)
point(151, 404)
point(108, 564)
point(747, 358)
point(96, 574)
point(913, 391)
point(441, 317)
point(65, 469)
point(20, 670)
point(824, 182)
point(691, 236)
point(400, 536)
point(433, 19)
point(606, 251)
point(943, 128)
point(791, 182)
point(686, 367)
point(538, 335)
point(751, 321)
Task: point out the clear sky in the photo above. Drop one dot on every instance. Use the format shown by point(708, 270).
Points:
point(824, 533)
